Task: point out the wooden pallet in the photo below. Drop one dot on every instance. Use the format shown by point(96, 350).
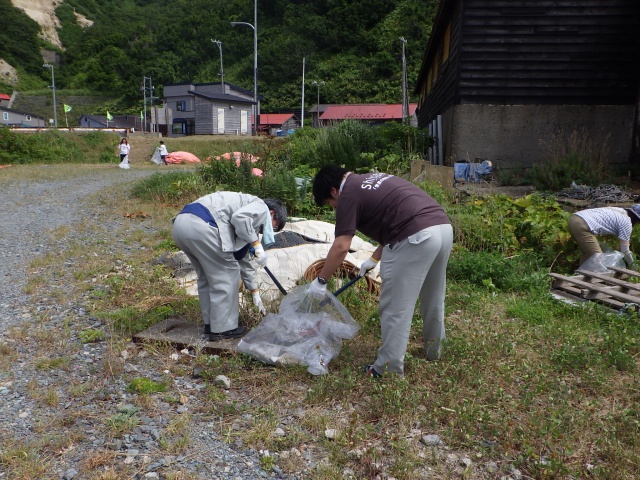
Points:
point(610, 289)
point(184, 334)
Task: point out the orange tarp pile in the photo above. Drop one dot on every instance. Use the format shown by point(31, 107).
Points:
point(182, 157)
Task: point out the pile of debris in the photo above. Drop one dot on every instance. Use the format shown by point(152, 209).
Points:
point(599, 194)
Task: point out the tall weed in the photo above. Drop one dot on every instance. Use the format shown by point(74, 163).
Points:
point(580, 157)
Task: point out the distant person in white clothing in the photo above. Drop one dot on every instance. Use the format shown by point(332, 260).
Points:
point(124, 148)
point(163, 152)
point(585, 225)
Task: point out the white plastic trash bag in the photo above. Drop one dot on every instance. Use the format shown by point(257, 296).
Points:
point(125, 163)
point(600, 262)
point(305, 330)
point(157, 159)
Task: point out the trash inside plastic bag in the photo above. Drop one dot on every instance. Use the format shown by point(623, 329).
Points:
point(601, 262)
point(157, 158)
point(125, 163)
point(303, 331)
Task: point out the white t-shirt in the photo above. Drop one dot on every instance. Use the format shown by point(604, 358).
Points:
point(608, 221)
point(163, 150)
point(124, 148)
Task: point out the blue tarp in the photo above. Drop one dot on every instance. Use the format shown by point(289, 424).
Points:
point(471, 172)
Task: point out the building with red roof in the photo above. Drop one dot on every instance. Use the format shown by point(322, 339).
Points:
point(374, 113)
point(272, 122)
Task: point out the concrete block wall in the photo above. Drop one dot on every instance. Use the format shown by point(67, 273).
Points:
point(518, 135)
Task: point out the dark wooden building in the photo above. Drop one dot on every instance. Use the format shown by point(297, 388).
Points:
point(500, 78)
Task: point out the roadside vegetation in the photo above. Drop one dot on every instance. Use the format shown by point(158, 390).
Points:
point(525, 382)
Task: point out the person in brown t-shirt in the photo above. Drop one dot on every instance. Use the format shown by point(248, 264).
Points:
point(415, 239)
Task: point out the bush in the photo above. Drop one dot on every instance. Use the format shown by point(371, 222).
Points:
point(173, 188)
point(519, 273)
point(581, 157)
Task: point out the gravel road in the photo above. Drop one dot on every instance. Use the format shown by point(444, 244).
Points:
point(62, 415)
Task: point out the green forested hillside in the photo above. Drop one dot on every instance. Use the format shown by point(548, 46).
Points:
point(351, 45)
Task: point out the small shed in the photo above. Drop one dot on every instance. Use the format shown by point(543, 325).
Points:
point(272, 122)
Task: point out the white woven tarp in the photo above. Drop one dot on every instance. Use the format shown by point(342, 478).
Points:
point(289, 264)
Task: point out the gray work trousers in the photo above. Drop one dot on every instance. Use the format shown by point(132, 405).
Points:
point(218, 272)
point(410, 269)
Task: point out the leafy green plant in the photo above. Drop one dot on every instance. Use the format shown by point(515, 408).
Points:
point(492, 269)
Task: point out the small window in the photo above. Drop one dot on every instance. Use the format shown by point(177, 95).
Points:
point(28, 118)
point(5, 116)
point(181, 106)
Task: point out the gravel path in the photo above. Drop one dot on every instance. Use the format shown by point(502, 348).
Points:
point(61, 416)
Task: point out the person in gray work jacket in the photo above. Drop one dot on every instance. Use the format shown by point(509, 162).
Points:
point(614, 221)
point(216, 232)
point(415, 238)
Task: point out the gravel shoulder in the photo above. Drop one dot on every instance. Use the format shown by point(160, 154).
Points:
point(60, 417)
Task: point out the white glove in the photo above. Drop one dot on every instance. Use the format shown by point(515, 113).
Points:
point(628, 258)
point(317, 289)
point(369, 264)
point(261, 255)
point(257, 301)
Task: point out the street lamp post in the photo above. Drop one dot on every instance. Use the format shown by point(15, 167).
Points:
point(219, 43)
point(53, 86)
point(405, 99)
point(318, 84)
point(255, 60)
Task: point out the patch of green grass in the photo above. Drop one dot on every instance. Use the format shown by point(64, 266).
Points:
point(23, 460)
point(145, 386)
point(60, 363)
point(121, 423)
point(130, 320)
point(91, 336)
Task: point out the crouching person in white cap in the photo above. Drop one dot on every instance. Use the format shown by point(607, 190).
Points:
point(216, 232)
point(613, 221)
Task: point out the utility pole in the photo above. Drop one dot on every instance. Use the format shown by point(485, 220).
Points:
point(144, 89)
point(405, 99)
point(304, 61)
point(219, 43)
point(53, 86)
point(318, 84)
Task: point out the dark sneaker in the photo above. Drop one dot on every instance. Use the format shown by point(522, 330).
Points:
point(235, 333)
point(207, 330)
point(370, 371)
